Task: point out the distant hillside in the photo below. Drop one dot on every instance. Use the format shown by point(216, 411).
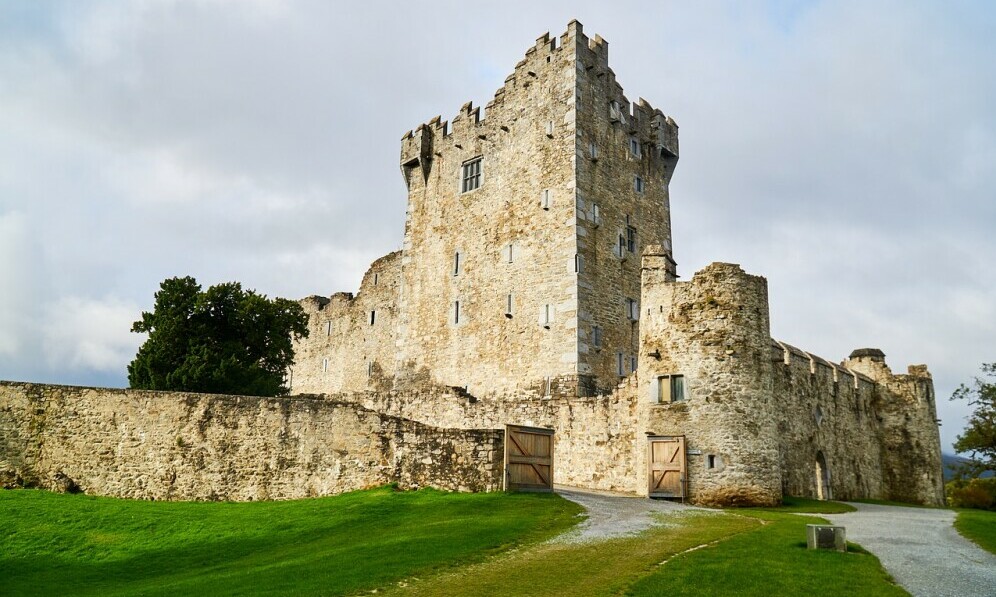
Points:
point(951, 462)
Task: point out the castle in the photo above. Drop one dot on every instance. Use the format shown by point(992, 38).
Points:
point(535, 286)
point(537, 263)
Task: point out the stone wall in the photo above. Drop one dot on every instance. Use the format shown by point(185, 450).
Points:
point(158, 445)
point(597, 439)
point(351, 344)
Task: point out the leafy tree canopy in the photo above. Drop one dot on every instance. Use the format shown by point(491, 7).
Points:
point(224, 340)
point(979, 437)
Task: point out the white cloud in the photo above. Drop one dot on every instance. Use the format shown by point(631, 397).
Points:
point(86, 334)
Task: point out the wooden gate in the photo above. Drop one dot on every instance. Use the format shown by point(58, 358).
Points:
point(666, 459)
point(528, 458)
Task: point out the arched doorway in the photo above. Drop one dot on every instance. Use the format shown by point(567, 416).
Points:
point(823, 490)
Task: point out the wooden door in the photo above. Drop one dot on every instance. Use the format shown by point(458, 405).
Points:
point(666, 459)
point(528, 458)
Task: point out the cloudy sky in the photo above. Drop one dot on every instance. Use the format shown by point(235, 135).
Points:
point(844, 150)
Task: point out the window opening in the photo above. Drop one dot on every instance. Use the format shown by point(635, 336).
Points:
point(634, 146)
point(545, 200)
point(456, 311)
point(619, 364)
point(638, 184)
point(578, 263)
point(508, 306)
point(632, 309)
point(456, 263)
point(471, 178)
point(670, 388)
point(631, 239)
point(596, 337)
point(328, 328)
point(373, 317)
point(711, 461)
point(325, 365)
point(547, 315)
point(596, 215)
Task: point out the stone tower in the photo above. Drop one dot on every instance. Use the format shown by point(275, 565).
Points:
point(520, 267)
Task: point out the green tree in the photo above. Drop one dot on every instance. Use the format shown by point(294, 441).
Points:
point(224, 340)
point(979, 437)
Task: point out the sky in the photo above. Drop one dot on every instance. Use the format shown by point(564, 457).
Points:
point(843, 150)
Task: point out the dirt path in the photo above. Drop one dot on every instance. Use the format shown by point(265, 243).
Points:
point(921, 549)
point(613, 515)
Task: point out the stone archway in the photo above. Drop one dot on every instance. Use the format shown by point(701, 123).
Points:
point(824, 490)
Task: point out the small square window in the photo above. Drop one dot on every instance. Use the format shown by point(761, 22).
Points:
point(638, 184)
point(670, 388)
point(471, 175)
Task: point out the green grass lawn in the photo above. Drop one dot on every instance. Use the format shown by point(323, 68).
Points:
point(978, 526)
point(770, 560)
point(54, 544)
point(421, 543)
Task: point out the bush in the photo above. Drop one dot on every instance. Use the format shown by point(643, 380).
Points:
point(972, 493)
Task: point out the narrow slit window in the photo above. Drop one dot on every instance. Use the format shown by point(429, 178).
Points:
point(711, 461)
point(471, 175)
point(632, 309)
point(596, 216)
point(547, 315)
point(328, 328)
point(376, 278)
point(593, 150)
point(632, 364)
point(325, 365)
point(621, 248)
point(596, 337)
point(508, 305)
point(549, 128)
point(456, 311)
point(370, 368)
point(509, 253)
point(638, 184)
point(546, 198)
point(373, 317)
point(620, 366)
point(456, 263)
point(578, 263)
point(631, 239)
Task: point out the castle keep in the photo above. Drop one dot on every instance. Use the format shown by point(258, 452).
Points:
point(535, 286)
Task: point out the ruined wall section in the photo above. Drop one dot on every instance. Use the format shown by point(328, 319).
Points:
point(826, 409)
point(597, 439)
point(714, 332)
point(525, 204)
point(626, 155)
point(161, 445)
point(352, 341)
point(911, 444)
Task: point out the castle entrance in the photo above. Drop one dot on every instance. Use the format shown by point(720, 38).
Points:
point(528, 458)
point(666, 459)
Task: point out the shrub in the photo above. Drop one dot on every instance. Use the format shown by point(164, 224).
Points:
point(973, 493)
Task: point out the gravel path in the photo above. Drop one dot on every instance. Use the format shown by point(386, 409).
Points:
point(613, 515)
point(921, 550)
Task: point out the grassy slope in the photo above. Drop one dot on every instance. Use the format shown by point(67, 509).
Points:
point(58, 544)
point(978, 526)
point(773, 560)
